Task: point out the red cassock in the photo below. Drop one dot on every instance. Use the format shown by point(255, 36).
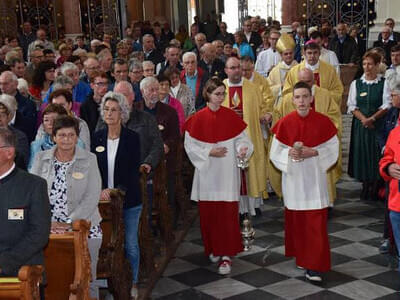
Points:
point(306, 236)
point(219, 220)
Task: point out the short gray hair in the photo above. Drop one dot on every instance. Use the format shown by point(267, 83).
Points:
point(148, 62)
point(147, 82)
point(8, 137)
point(9, 102)
point(61, 81)
point(121, 100)
point(189, 54)
point(135, 64)
point(68, 66)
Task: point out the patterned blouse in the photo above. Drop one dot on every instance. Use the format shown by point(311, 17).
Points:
point(58, 198)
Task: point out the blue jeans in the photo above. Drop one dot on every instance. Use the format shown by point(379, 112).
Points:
point(131, 221)
point(395, 220)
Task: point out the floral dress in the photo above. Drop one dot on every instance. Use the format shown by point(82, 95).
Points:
point(58, 198)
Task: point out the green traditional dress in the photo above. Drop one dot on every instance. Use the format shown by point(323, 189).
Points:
point(364, 150)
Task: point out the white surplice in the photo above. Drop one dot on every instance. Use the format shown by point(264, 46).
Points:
point(266, 60)
point(216, 178)
point(305, 183)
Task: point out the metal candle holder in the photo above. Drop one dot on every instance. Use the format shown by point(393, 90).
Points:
point(248, 234)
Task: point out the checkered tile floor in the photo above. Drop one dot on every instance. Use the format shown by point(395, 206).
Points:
point(358, 270)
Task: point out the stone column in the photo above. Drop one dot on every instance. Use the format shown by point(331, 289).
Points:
point(289, 12)
point(72, 18)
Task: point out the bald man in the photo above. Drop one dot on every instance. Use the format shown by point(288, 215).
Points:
point(210, 63)
point(323, 103)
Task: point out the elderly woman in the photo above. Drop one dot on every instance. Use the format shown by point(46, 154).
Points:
point(80, 89)
point(118, 155)
point(148, 68)
point(50, 113)
point(63, 97)
point(365, 103)
point(215, 139)
point(181, 91)
point(8, 109)
point(74, 184)
point(242, 45)
point(166, 98)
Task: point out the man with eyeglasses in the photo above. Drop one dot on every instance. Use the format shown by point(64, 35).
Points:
point(89, 110)
point(385, 43)
point(24, 211)
point(223, 35)
point(395, 35)
point(253, 38)
point(245, 99)
point(90, 66)
point(195, 77)
point(35, 57)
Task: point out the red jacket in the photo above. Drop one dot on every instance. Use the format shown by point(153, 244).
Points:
point(392, 155)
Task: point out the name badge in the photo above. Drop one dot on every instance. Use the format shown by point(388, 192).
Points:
point(363, 94)
point(16, 214)
point(77, 175)
point(100, 149)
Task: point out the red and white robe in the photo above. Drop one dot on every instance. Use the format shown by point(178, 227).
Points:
point(305, 186)
point(216, 181)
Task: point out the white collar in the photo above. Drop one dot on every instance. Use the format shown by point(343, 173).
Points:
point(8, 172)
point(174, 90)
point(368, 82)
point(252, 77)
point(12, 122)
point(286, 66)
point(230, 84)
point(312, 68)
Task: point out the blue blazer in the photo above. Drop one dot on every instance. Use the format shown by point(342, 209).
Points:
point(127, 163)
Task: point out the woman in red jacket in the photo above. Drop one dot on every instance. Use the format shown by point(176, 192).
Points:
point(389, 167)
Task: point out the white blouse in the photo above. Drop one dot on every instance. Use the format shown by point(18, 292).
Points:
point(352, 98)
point(112, 147)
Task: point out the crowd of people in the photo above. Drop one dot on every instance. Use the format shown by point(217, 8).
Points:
point(258, 111)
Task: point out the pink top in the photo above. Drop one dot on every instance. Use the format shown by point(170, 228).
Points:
point(177, 105)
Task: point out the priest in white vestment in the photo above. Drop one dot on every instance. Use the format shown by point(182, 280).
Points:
point(304, 147)
point(215, 140)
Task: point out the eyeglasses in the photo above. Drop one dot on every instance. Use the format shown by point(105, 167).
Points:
point(69, 136)
point(110, 110)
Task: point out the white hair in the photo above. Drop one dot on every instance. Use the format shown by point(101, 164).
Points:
point(189, 54)
point(22, 85)
point(95, 42)
point(10, 103)
point(147, 82)
point(121, 100)
point(79, 52)
point(393, 79)
point(10, 75)
point(148, 63)
point(68, 66)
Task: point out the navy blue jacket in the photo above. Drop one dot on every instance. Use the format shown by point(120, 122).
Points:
point(127, 163)
point(389, 122)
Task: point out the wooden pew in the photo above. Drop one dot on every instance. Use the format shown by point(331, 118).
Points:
point(162, 215)
point(112, 264)
point(25, 286)
point(67, 264)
